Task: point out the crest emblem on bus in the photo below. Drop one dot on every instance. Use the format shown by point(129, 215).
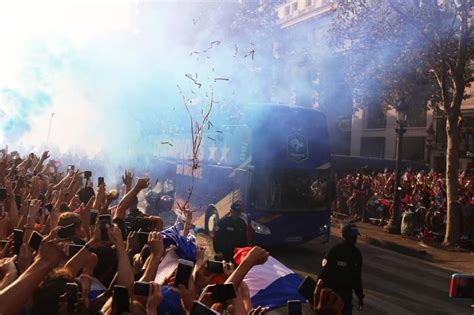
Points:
point(297, 148)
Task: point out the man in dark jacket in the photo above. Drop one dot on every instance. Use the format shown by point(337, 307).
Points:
point(342, 269)
point(230, 232)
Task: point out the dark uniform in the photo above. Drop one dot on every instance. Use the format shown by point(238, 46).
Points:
point(230, 232)
point(342, 269)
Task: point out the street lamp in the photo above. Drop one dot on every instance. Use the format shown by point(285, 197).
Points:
point(393, 225)
point(430, 139)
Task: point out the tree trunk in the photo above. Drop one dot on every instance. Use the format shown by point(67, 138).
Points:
point(452, 169)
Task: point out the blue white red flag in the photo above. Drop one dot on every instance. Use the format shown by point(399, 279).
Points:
point(271, 284)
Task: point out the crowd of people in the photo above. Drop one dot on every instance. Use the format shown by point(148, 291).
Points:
point(72, 247)
point(369, 196)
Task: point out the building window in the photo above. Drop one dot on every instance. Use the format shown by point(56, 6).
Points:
point(287, 10)
point(372, 147)
point(413, 148)
point(309, 3)
point(416, 116)
point(376, 118)
point(467, 137)
point(295, 6)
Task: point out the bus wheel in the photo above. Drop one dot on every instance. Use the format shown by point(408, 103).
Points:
point(211, 220)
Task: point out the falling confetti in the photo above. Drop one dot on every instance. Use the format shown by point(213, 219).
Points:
point(250, 53)
point(190, 77)
point(221, 79)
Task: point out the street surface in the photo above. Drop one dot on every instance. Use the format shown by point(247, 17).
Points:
point(393, 283)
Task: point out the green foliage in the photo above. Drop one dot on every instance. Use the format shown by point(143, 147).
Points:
point(405, 48)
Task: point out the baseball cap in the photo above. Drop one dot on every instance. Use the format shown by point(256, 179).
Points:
point(236, 206)
point(350, 229)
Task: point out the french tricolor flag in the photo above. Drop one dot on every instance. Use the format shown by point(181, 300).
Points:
point(271, 284)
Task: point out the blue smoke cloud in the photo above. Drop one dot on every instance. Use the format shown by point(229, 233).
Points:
point(115, 95)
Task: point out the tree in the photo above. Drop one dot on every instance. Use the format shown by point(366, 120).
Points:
point(404, 44)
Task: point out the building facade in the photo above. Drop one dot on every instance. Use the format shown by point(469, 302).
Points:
point(373, 133)
point(312, 67)
point(437, 146)
point(368, 131)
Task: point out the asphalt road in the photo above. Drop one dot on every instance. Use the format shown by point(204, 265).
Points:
point(393, 283)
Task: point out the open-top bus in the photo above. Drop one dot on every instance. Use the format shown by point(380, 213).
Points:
point(275, 160)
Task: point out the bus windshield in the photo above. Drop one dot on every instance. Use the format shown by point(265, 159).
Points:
point(290, 190)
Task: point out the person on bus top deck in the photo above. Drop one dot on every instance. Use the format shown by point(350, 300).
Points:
point(230, 232)
point(342, 269)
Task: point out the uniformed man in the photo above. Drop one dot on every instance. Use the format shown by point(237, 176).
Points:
point(342, 269)
point(230, 232)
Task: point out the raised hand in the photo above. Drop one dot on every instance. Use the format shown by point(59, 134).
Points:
point(155, 296)
point(50, 251)
point(257, 256)
point(127, 178)
point(200, 257)
point(187, 295)
point(45, 156)
point(229, 268)
point(75, 203)
point(115, 236)
point(35, 206)
point(142, 183)
point(133, 246)
point(100, 197)
point(155, 242)
point(7, 265)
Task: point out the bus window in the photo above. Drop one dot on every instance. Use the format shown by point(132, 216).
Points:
point(290, 190)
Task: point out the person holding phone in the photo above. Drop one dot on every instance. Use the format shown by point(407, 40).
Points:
point(342, 269)
point(231, 232)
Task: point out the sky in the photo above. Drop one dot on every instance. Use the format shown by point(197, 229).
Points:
point(44, 66)
point(105, 74)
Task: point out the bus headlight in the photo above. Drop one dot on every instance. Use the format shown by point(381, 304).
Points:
point(260, 228)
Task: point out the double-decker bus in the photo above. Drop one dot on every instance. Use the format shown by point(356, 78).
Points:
point(275, 160)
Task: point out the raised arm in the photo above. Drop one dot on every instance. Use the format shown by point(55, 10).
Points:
point(85, 212)
point(13, 210)
point(157, 249)
point(127, 179)
point(125, 203)
point(33, 210)
point(124, 272)
point(256, 256)
point(50, 254)
point(39, 165)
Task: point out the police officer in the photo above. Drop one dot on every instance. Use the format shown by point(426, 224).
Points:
point(230, 232)
point(342, 269)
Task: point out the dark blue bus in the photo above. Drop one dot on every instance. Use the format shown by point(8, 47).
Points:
point(275, 161)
